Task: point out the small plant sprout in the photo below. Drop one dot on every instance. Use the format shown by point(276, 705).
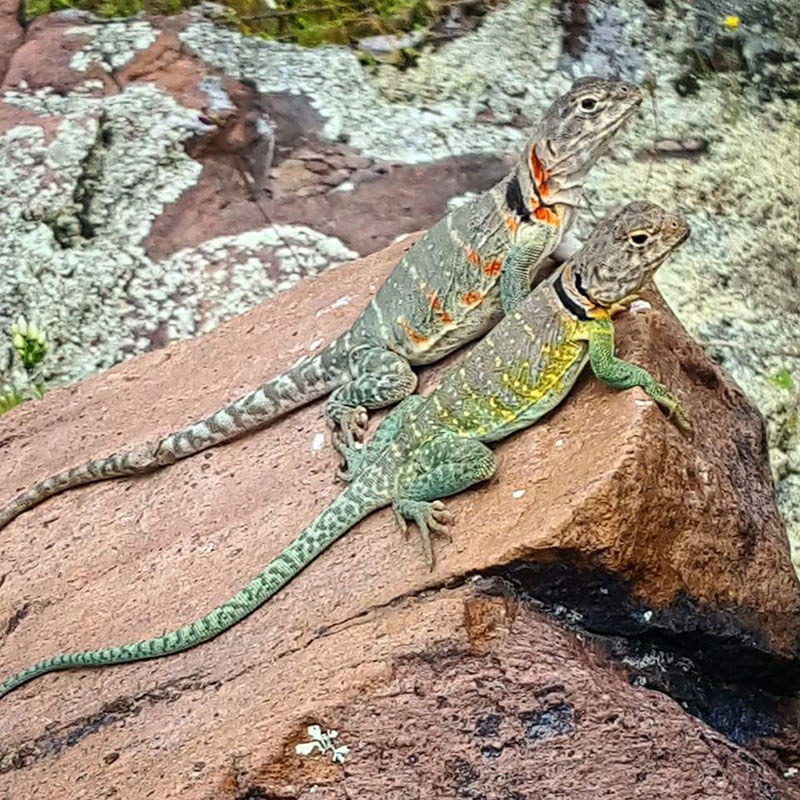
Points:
point(29, 343)
point(324, 743)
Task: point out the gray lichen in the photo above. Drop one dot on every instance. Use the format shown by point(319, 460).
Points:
point(83, 201)
point(111, 45)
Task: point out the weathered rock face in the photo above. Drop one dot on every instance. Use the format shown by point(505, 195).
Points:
point(11, 34)
point(609, 558)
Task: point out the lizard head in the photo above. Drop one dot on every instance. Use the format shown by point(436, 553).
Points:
point(579, 125)
point(623, 251)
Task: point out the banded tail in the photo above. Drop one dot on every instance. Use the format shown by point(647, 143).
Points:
point(343, 513)
point(307, 381)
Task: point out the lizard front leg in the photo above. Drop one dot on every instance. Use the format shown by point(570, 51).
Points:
point(444, 466)
point(522, 262)
point(379, 378)
point(620, 374)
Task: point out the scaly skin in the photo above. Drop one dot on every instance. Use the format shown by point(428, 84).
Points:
point(452, 285)
point(430, 448)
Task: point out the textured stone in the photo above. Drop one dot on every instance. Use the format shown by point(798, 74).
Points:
point(620, 530)
point(42, 55)
point(11, 33)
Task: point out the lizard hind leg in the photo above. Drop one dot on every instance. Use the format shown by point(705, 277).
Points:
point(379, 378)
point(357, 459)
point(444, 466)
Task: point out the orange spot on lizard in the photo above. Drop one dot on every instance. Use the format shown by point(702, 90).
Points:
point(472, 256)
point(471, 298)
point(413, 336)
point(492, 268)
point(540, 174)
point(433, 300)
point(512, 223)
point(547, 215)
point(435, 305)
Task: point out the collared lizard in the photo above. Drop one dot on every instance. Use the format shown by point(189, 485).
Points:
point(429, 448)
point(448, 289)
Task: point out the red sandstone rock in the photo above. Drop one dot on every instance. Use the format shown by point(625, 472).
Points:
point(11, 33)
point(604, 514)
point(43, 58)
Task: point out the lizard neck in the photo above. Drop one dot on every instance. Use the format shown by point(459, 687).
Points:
point(539, 191)
point(573, 297)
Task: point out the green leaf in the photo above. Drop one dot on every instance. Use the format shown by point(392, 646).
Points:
point(782, 379)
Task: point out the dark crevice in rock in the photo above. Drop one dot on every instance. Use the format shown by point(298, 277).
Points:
point(76, 222)
point(574, 18)
point(91, 173)
point(17, 617)
point(69, 734)
point(713, 662)
point(257, 793)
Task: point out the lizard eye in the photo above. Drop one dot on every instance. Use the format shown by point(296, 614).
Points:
point(638, 238)
point(589, 104)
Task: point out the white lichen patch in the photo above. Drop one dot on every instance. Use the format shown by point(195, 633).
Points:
point(323, 742)
point(112, 45)
point(197, 287)
point(317, 442)
point(79, 208)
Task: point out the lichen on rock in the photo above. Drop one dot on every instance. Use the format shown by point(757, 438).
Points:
point(83, 201)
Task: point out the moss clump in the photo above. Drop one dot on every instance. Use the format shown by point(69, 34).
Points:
point(313, 22)
point(305, 22)
point(105, 8)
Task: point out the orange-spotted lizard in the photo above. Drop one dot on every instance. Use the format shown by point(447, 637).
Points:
point(453, 285)
point(429, 448)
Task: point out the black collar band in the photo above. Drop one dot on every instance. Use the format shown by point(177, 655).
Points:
point(580, 290)
point(576, 309)
point(515, 200)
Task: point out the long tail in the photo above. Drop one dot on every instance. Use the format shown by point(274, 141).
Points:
point(352, 505)
point(308, 380)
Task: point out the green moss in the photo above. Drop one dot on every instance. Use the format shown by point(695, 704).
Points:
point(304, 22)
point(106, 8)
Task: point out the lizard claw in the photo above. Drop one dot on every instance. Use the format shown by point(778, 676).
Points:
point(675, 411)
point(353, 426)
point(352, 460)
point(681, 418)
point(430, 518)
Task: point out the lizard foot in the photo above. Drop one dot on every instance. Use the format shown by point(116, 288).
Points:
point(352, 460)
point(429, 517)
point(350, 428)
point(675, 410)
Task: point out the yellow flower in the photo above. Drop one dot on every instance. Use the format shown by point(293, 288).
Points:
point(732, 22)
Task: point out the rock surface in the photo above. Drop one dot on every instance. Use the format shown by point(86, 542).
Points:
point(610, 557)
point(364, 155)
